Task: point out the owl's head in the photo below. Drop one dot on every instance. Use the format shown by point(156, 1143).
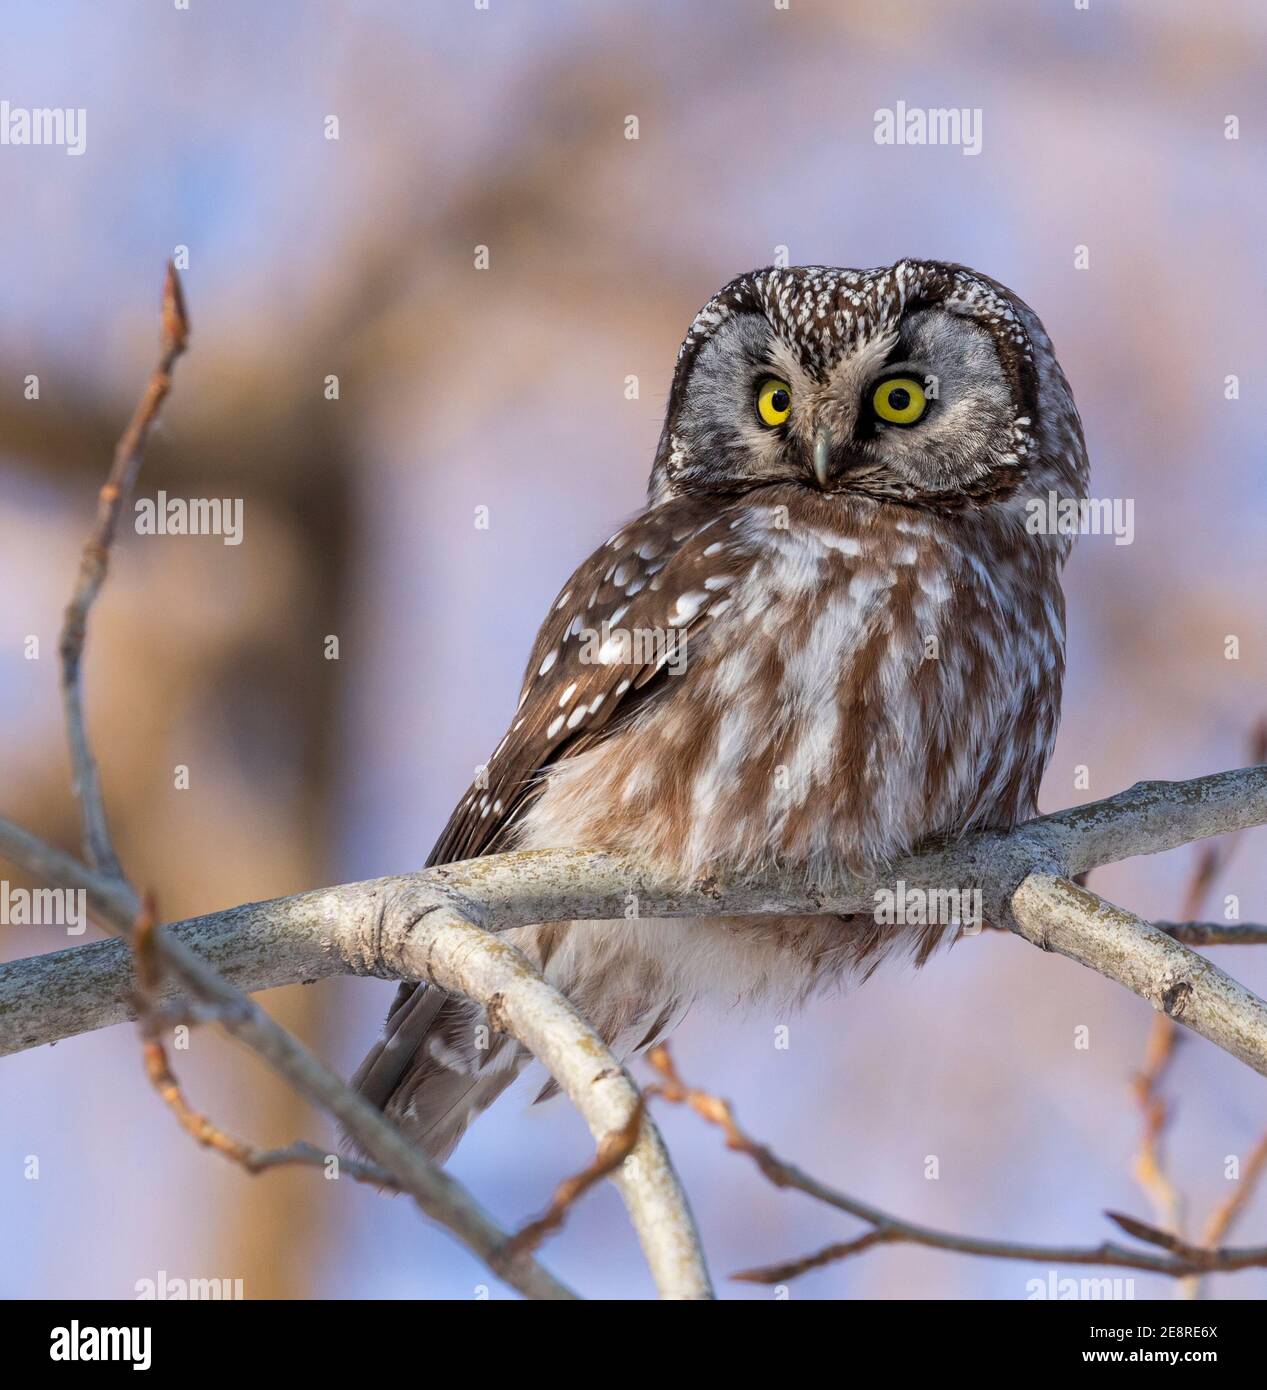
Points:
point(922, 384)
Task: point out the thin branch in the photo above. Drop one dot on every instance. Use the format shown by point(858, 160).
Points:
point(435, 940)
point(1163, 1040)
point(1232, 1208)
point(612, 1151)
point(445, 948)
point(162, 1077)
point(1215, 933)
point(1149, 1167)
point(1183, 1259)
point(115, 491)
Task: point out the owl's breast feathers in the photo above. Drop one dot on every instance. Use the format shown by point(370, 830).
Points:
point(789, 678)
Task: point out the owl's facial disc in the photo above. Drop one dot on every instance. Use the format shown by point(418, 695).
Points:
point(922, 383)
point(917, 412)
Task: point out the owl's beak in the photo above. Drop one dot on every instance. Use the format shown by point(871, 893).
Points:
point(822, 456)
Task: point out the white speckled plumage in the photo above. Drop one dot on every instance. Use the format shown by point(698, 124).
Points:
point(775, 666)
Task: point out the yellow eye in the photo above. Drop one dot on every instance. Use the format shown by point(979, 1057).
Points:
point(899, 401)
point(774, 401)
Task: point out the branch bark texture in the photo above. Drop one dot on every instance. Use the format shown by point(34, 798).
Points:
point(398, 928)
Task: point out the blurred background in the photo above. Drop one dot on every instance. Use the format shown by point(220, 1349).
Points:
point(504, 127)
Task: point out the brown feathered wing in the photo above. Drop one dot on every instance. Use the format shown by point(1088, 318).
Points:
point(614, 630)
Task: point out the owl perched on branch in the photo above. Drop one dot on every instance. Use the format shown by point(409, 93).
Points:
point(829, 636)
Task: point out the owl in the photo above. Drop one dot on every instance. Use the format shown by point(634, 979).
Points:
point(833, 632)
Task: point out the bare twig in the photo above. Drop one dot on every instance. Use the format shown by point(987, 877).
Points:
point(1182, 1259)
point(612, 1151)
point(1163, 1040)
point(1215, 933)
point(1149, 1167)
point(173, 337)
point(601, 1089)
point(158, 1069)
point(1229, 1211)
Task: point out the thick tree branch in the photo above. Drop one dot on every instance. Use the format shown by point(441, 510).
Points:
point(359, 928)
point(1057, 915)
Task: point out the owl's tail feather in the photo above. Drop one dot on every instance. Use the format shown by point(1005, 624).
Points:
point(437, 1067)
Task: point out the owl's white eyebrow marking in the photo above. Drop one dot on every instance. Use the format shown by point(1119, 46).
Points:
point(567, 694)
point(554, 726)
point(551, 658)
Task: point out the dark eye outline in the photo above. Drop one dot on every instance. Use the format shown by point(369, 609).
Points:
point(899, 374)
point(760, 384)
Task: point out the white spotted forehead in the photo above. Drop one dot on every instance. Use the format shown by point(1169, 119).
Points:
point(819, 309)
